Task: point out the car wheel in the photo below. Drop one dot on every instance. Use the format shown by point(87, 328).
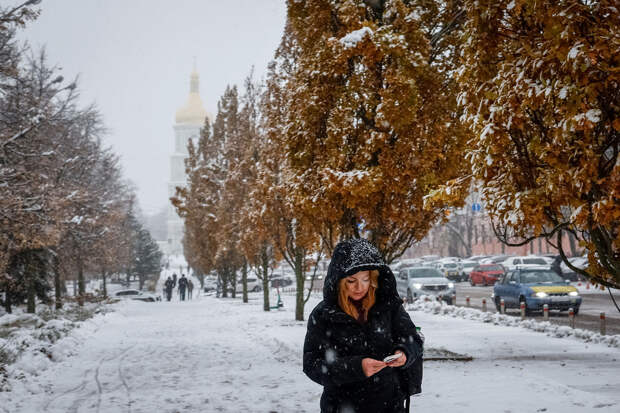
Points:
point(409, 296)
point(498, 303)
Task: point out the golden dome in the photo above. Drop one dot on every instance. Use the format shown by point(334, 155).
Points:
point(193, 112)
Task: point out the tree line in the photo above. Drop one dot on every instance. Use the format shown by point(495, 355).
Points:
point(377, 118)
point(65, 208)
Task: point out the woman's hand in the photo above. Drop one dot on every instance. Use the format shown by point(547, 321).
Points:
point(399, 361)
point(372, 366)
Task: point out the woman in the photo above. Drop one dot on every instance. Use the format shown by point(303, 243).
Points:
point(358, 324)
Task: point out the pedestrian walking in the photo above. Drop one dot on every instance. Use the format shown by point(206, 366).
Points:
point(174, 280)
point(190, 289)
point(168, 286)
point(182, 286)
point(360, 322)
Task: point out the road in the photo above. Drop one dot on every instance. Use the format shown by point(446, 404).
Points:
point(594, 302)
point(221, 355)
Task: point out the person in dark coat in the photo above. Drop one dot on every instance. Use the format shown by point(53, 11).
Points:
point(190, 289)
point(168, 286)
point(182, 286)
point(360, 321)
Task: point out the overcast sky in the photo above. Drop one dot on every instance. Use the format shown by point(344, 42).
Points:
point(134, 58)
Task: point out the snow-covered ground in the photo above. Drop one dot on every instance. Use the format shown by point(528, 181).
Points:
point(220, 355)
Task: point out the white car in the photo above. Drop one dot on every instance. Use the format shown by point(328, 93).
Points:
point(468, 267)
point(416, 281)
point(210, 284)
point(136, 295)
point(579, 262)
point(254, 284)
point(512, 263)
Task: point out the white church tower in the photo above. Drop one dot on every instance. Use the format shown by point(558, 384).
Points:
point(189, 119)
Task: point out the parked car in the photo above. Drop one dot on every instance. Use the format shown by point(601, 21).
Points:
point(523, 262)
point(467, 268)
point(407, 262)
point(495, 259)
point(412, 282)
point(136, 295)
point(568, 274)
point(210, 284)
point(281, 280)
point(450, 269)
point(549, 258)
point(254, 285)
point(486, 274)
point(535, 287)
point(477, 258)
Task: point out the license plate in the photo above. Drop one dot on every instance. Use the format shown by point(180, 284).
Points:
point(559, 299)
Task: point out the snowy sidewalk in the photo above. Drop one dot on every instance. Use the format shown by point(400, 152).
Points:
point(220, 355)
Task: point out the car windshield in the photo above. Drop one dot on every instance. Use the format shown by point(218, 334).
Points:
point(537, 261)
point(492, 268)
point(450, 265)
point(469, 264)
point(424, 273)
point(531, 277)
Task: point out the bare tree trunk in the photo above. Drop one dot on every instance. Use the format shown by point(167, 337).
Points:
point(301, 280)
point(31, 273)
point(244, 280)
point(265, 271)
point(58, 291)
point(224, 278)
point(31, 303)
point(233, 280)
point(81, 283)
point(105, 287)
point(573, 246)
point(7, 301)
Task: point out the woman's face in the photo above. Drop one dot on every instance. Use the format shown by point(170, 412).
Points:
point(357, 285)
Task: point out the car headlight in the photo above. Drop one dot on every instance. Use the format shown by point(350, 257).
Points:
point(450, 285)
point(573, 293)
point(417, 286)
point(540, 294)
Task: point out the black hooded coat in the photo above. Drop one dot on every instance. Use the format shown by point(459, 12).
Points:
point(336, 343)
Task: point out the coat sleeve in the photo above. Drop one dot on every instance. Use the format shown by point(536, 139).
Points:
point(322, 363)
point(405, 336)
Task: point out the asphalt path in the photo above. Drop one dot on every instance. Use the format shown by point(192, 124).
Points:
point(593, 303)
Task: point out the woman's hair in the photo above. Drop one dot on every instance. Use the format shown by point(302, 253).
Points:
point(367, 302)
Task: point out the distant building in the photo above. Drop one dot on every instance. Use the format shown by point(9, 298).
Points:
point(188, 121)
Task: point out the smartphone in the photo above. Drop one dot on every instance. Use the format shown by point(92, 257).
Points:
point(391, 358)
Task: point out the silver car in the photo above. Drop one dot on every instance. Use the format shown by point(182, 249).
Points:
point(413, 282)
